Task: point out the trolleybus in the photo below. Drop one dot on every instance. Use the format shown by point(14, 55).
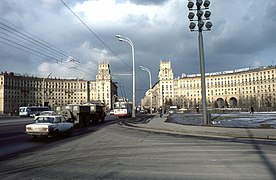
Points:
point(123, 109)
point(32, 110)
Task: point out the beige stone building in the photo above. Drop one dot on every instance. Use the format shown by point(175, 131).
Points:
point(240, 88)
point(22, 90)
point(103, 89)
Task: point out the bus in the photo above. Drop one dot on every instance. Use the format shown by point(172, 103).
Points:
point(32, 110)
point(123, 109)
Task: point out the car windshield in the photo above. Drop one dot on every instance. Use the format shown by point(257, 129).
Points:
point(46, 113)
point(45, 120)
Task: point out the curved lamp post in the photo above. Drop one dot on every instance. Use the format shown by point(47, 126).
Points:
point(126, 39)
point(146, 69)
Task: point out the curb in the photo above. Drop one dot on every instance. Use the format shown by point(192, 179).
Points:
point(200, 134)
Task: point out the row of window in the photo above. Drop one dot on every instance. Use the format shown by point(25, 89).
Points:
point(46, 96)
point(16, 101)
point(38, 83)
point(197, 83)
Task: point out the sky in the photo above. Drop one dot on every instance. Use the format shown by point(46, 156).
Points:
point(69, 38)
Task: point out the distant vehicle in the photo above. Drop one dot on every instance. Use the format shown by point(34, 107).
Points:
point(83, 115)
point(123, 109)
point(49, 126)
point(142, 111)
point(111, 112)
point(172, 109)
point(32, 110)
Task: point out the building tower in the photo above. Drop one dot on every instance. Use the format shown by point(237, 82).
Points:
point(165, 77)
point(105, 88)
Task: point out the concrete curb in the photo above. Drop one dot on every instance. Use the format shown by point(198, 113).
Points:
point(158, 125)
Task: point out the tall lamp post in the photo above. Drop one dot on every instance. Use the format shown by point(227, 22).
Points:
point(200, 11)
point(126, 39)
point(146, 69)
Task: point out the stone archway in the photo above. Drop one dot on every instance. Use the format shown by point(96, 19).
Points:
point(220, 103)
point(233, 102)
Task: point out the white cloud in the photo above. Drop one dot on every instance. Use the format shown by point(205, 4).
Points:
point(109, 11)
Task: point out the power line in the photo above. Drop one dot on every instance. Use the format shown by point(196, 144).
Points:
point(31, 38)
point(92, 32)
point(16, 37)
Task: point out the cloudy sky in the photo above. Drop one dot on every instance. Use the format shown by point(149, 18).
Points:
point(42, 36)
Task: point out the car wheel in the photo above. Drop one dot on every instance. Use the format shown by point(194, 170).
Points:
point(34, 137)
point(70, 131)
point(55, 134)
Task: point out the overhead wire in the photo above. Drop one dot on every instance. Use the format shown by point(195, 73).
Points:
point(105, 44)
point(98, 37)
point(18, 38)
point(51, 50)
point(17, 31)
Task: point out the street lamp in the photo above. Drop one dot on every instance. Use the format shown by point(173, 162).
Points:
point(200, 24)
point(126, 39)
point(146, 69)
point(43, 85)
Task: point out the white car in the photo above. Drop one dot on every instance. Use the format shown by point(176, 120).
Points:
point(49, 125)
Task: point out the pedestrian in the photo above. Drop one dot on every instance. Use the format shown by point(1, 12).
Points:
point(197, 109)
point(252, 109)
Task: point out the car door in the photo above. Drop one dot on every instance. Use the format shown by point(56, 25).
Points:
point(66, 125)
point(58, 124)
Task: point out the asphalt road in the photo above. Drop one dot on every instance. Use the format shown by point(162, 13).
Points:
point(14, 140)
point(116, 152)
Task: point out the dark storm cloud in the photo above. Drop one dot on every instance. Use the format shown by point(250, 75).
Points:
point(270, 23)
point(270, 12)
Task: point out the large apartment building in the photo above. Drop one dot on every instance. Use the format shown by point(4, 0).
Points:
point(236, 88)
point(23, 90)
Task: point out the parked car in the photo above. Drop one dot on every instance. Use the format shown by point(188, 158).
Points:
point(49, 126)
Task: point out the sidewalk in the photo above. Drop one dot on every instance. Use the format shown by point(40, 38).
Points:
point(158, 124)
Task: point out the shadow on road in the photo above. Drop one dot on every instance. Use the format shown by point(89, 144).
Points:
point(269, 165)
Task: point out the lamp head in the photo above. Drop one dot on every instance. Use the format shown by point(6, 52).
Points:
point(198, 3)
point(206, 4)
point(191, 15)
point(200, 24)
point(199, 13)
point(192, 26)
point(207, 14)
point(208, 25)
point(190, 5)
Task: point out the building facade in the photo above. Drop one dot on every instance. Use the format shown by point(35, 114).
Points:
point(22, 90)
point(103, 89)
point(239, 88)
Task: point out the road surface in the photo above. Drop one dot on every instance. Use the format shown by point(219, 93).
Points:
point(116, 152)
point(14, 140)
